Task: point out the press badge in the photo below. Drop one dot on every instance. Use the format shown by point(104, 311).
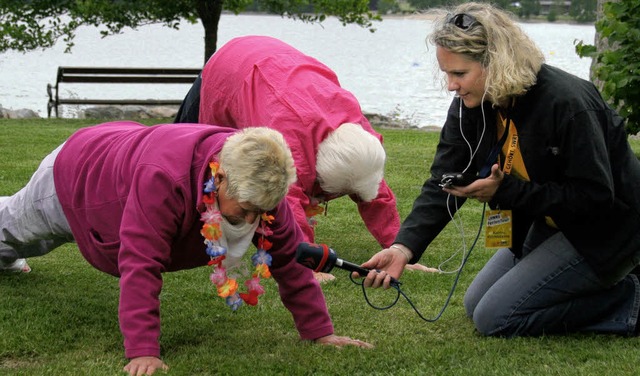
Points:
point(498, 229)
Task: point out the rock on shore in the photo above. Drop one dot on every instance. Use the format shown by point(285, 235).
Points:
point(154, 112)
point(23, 113)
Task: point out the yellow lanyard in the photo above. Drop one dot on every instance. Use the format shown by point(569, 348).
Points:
point(511, 146)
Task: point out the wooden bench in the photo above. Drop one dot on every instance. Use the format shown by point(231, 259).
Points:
point(105, 75)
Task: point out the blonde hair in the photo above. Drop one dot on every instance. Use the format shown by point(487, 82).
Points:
point(510, 58)
point(259, 167)
point(351, 161)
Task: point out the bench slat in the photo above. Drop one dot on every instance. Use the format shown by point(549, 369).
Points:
point(128, 79)
point(120, 101)
point(124, 70)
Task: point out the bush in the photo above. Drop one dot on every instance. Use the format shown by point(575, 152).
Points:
point(618, 67)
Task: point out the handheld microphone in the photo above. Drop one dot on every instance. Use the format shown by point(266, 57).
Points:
point(322, 259)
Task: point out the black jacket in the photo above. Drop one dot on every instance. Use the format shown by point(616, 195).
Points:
point(583, 173)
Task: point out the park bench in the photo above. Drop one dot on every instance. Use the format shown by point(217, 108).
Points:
point(105, 75)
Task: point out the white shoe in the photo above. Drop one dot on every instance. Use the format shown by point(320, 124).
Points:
point(18, 266)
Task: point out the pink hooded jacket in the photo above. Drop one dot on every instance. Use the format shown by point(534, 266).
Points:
point(131, 195)
point(261, 81)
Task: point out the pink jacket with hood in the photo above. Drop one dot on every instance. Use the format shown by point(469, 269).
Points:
point(262, 81)
point(132, 195)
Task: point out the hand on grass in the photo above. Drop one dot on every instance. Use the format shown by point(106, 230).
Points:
point(145, 365)
point(339, 341)
point(421, 268)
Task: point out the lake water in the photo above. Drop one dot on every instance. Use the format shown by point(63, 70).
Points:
point(391, 71)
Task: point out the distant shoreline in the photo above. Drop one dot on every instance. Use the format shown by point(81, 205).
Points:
point(430, 16)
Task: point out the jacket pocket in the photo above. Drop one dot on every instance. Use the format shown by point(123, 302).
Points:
point(104, 255)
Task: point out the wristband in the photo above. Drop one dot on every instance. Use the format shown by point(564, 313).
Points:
point(406, 254)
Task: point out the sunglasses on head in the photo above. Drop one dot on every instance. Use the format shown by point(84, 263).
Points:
point(462, 20)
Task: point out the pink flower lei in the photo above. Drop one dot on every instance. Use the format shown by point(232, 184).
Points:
point(212, 232)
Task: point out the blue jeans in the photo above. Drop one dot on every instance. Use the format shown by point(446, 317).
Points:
point(549, 290)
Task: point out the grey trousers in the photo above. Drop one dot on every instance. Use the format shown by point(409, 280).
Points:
point(32, 222)
point(550, 290)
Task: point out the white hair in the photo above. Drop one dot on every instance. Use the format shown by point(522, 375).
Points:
point(351, 161)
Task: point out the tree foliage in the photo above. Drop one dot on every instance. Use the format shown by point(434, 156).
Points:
point(618, 67)
point(31, 24)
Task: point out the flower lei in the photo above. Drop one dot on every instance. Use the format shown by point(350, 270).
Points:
point(312, 210)
point(212, 232)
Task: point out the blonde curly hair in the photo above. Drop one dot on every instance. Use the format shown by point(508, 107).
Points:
point(259, 166)
point(510, 58)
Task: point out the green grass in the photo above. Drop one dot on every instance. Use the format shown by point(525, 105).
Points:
point(61, 319)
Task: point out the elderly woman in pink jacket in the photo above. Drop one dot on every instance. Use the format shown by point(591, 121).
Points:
point(140, 201)
point(262, 81)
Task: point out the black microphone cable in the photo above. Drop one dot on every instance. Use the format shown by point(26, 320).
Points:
point(396, 286)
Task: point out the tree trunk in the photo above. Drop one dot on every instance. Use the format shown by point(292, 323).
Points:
point(601, 44)
point(209, 12)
